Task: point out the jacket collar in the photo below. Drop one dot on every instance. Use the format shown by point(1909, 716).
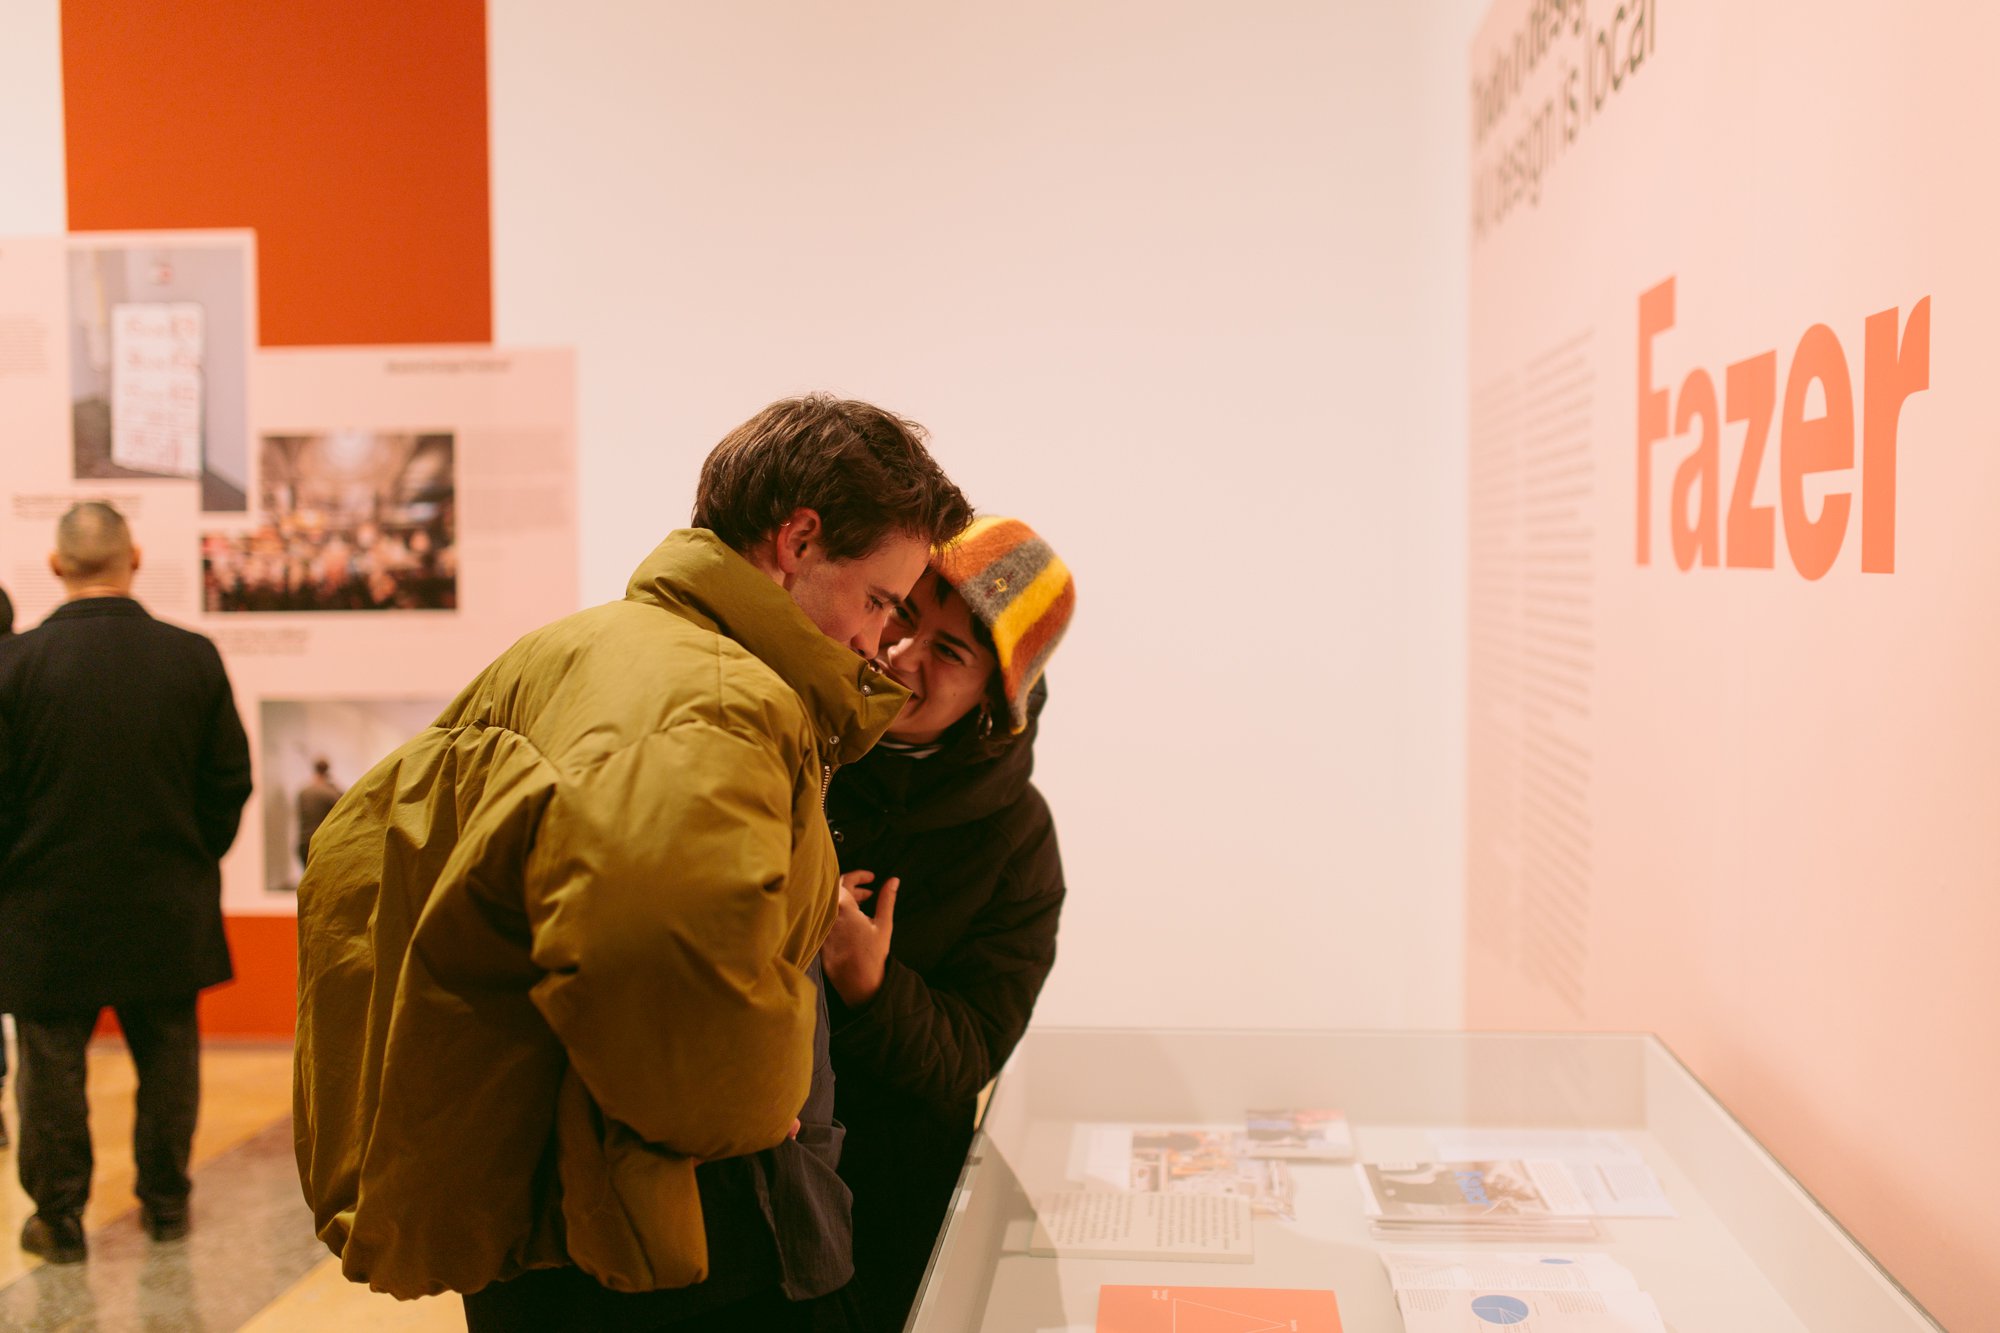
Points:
point(694, 575)
point(85, 607)
point(962, 782)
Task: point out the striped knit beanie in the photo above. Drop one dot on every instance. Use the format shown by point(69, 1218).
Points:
point(1020, 590)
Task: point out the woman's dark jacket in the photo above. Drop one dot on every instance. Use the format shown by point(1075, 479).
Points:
point(974, 939)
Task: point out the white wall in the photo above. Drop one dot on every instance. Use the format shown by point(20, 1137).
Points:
point(1183, 285)
point(34, 200)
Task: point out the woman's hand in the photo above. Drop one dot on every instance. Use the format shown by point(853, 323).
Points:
point(857, 951)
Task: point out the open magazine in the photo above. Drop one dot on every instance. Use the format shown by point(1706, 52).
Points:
point(1180, 1159)
point(1196, 1161)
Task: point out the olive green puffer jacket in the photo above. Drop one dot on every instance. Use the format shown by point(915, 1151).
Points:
point(552, 951)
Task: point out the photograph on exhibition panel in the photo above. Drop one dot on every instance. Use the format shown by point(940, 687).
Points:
point(351, 521)
point(311, 751)
point(159, 343)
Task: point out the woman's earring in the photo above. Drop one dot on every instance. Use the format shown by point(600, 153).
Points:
point(985, 723)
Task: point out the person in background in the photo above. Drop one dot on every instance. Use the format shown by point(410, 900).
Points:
point(123, 773)
point(6, 632)
point(561, 1041)
point(316, 801)
point(942, 835)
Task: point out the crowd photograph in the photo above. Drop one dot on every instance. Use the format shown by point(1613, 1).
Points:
point(351, 522)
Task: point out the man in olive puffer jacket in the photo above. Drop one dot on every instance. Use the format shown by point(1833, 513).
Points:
point(556, 951)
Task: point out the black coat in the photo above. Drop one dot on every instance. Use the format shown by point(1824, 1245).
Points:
point(123, 772)
point(975, 937)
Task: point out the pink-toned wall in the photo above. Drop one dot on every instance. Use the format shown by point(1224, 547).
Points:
point(1732, 727)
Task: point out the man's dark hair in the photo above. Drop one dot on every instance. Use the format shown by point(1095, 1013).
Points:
point(863, 470)
point(6, 614)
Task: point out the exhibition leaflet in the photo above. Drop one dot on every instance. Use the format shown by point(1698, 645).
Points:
point(1508, 1271)
point(1427, 1310)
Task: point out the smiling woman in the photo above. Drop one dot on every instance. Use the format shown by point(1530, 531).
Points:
point(929, 998)
point(945, 657)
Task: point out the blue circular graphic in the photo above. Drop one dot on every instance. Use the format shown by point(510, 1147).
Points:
point(1500, 1309)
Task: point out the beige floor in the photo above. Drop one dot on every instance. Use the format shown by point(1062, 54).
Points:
point(244, 1089)
point(326, 1302)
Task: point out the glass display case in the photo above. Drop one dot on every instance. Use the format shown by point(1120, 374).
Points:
point(1745, 1250)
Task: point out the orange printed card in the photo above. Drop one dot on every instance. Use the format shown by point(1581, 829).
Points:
point(1215, 1310)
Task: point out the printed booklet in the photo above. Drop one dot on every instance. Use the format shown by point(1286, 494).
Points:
point(1609, 1171)
point(1473, 1201)
point(1462, 1192)
point(1480, 1190)
point(1098, 1224)
point(1215, 1310)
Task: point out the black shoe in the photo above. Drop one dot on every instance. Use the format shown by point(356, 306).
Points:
point(57, 1239)
point(164, 1226)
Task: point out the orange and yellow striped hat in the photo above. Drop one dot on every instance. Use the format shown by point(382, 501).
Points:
point(1020, 589)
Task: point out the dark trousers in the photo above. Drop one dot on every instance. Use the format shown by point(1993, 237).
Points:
point(903, 1170)
point(566, 1300)
point(55, 1156)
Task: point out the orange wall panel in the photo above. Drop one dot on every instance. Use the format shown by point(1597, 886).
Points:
point(260, 1002)
point(263, 1000)
point(350, 135)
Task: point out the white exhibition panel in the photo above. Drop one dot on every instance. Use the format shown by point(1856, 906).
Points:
point(368, 527)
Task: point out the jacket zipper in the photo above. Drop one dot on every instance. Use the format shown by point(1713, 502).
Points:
point(825, 781)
